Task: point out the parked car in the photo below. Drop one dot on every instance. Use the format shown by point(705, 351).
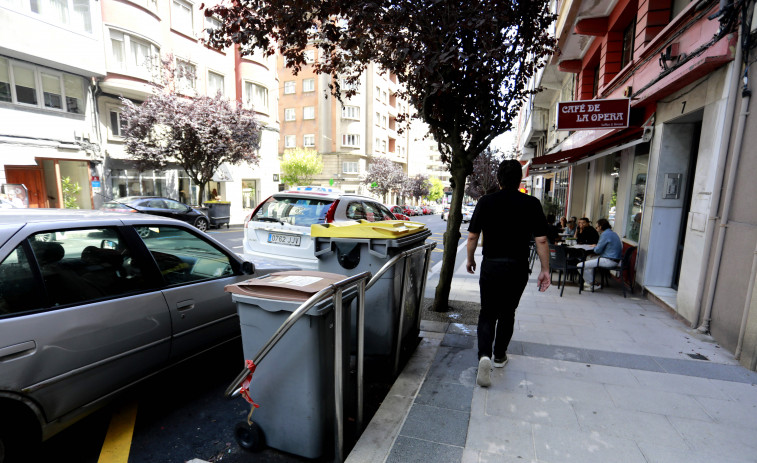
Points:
point(418, 210)
point(279, 227)
point(398, 213)
point(426, 210)
point(467, 214)
point(445, 213)
point(155, 205)
point(409, 211)
point(99, 308)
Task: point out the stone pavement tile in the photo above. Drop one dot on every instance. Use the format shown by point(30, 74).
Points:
point(378, 437)
point(689, 385)
point(717, 439)
point(525, 317)
point(409, 450)
point(445, 395)
point(573, 370)
point(501, 436)
point(450, 364)
point(665, 403)
point(741, 392)
point(601, 336)
point(570, 391)
point(436, 425)
point(629, 424)
point(436, 327)
point(458, 340)
point(657, 453)
point(730, 412)
point(564, 340)
point(556, 328)
point(622, 359)
point(558, 445)
point(462, 329)
point(517, 405)
point(708, 370)
point(543, 350)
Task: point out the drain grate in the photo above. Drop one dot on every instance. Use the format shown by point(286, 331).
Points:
point(698, 357)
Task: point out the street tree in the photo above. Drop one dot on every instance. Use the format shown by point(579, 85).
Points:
point(299, 165)
point(484, 176)
point(464, 65)
point(436, 191)
point(417, 186)
point(197, 132)
point(383, 176)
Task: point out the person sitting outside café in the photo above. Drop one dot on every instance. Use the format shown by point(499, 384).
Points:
point(570, 228)
point(585, 233)
point(553, 232)
point(608, 250)
point(563, 223)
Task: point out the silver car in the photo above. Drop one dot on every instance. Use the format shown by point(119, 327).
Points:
point(88, 307)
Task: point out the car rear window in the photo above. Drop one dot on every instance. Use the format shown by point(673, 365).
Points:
point(293, 210)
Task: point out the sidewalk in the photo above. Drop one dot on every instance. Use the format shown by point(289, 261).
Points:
point(591, 378)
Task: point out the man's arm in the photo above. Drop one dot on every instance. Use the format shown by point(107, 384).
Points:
point(471, 248)
point(542, 249)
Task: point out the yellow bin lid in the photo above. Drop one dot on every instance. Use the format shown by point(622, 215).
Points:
point(386, 229)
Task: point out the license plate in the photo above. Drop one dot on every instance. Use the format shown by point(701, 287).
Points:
point(289, 240)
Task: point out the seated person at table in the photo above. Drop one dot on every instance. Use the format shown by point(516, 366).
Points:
point(570, 228)
point(608, 251)
point(563, 223)
point(585, 233)
point(553, 233)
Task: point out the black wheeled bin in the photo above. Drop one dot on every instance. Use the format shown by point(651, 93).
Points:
point(354, 247)
point(219, 213)
point(294, 385)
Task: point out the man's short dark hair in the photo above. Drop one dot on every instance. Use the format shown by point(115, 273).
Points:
point(603, 224)
point(585, 219)
point(509, 174)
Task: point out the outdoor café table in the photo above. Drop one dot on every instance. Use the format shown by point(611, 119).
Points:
point(585, 247)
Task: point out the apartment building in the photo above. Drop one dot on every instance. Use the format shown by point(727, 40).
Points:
point(139, 33)
point(344, 133)
point(50, 59)
point(662, 180)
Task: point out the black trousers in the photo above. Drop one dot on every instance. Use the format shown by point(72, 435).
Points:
point(501, 283)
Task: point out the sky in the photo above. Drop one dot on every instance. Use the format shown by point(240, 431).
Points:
point(504, 142)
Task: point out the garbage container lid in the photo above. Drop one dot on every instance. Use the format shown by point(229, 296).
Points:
point(296, 286)
point(364, 229)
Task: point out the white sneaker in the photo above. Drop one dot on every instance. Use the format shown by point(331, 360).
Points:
point(484, 376)
point(499, 362)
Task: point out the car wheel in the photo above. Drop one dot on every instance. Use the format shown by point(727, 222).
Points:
point(143, 232)
point(249, 436)
point(18, 439)
point(201, 223)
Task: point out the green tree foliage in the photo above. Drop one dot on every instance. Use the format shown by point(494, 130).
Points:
point(299, 165)
point(199, 133)
point(436, 191)
point(70, 193)
point(464, 65)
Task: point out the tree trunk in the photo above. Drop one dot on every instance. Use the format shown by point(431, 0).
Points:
point(201, 187)
point(451, 238)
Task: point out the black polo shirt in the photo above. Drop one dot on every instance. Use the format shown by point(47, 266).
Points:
point(509, 220)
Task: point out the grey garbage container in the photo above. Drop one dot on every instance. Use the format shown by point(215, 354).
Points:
point(294, 385)
point(219, 213)
point(364, 246)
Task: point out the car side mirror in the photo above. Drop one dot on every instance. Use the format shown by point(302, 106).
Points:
point(248, 268)
point(108, 244)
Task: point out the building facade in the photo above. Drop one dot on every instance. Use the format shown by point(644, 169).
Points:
point(660, 181)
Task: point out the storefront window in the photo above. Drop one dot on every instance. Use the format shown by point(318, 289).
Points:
point(130, 182)
point(188, 190)
point(249, 194)
point(560, 192)
point(608, 197)
point(636, 197)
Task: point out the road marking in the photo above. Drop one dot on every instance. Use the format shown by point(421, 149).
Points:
point(436, 268)
point(118, 440)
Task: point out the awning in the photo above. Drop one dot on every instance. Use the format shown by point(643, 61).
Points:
point(585, 143)
point(223, 174)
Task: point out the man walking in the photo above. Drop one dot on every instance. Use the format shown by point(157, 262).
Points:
point(504, 270)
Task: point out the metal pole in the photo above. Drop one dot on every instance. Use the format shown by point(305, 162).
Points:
point(360, 322)
point(338, 375)
point(400, 328)
point(422, 296)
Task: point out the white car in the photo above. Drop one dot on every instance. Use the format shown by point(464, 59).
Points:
point(279, 228)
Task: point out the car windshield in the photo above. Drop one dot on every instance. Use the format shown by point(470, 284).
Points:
point(293, 210)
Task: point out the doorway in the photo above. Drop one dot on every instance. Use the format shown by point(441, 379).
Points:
point(688, 189)
point(33, 179)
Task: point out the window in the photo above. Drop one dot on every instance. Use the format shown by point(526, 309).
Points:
point(309, 56)
point(212, 23)
point(72, 13)
point(215, 84)
point(289, 114)
point(308, 140)
point(117, 123)
point(350, 167)
point(635, 205)
point(186, 258)
point(383, 146)
point(256, 96)
point(20, 290)
point(289, 87)
point(378, 93)
point(32, 85)
point(181, 16)
point(186, 74)
point(351, 112)
point(290, 141)
point(628, 42)
point(375, 212)
point(384, 97)
point(308, 85)
point(346, 86)
point(133, 183)
point(377, 146)
point(378, 119)
point(352, 140)
point(249, 193)
point(595, 84)
point(132, 55)
point(383, 121)
point(308, 112)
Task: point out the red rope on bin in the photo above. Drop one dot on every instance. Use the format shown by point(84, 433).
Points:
point(245, 390)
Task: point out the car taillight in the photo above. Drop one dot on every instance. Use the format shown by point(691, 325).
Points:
point(330, 213)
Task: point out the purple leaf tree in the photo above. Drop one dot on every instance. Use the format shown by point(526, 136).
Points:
point(383, 176)
point(484, 176)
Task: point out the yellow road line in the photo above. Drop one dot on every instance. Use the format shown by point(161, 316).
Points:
point(118, 440)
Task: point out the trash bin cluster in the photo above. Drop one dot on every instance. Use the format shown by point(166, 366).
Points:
point(299, 347)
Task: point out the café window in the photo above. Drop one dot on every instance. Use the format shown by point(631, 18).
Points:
point(636, 197)
point(249, 194)
point(131, 182)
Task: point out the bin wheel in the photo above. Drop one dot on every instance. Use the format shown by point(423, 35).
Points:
point(249, 436)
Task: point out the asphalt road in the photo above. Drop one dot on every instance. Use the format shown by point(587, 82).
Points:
point(182, 414)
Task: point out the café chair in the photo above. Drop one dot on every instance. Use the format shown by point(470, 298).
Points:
point(564, 260)
point(624, 265)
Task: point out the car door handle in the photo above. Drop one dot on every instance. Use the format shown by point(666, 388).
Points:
point(185, 305)
point(17, 350)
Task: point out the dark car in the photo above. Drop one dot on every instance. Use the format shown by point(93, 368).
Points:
point(88, 307)
point(155, 205)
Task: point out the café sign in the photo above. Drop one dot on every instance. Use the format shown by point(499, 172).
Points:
point(593, 114)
